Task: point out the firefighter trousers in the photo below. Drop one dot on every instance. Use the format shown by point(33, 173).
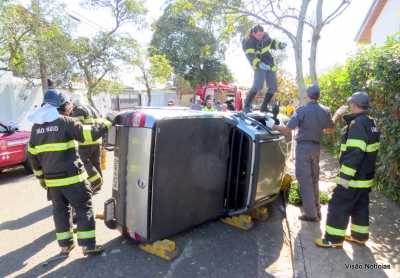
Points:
point(79, 196)
point(91, 157)
point(346, 203)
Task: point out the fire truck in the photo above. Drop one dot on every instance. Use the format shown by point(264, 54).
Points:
point(225, 92)
point(221, 91)
point(13, 146)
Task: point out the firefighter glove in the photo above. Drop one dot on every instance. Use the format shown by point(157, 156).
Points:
point(283, 45)
point(110, 117)
point(344, 183)
point(342, 110)
point(42, 184)
point(269, 123)
point(263, 66)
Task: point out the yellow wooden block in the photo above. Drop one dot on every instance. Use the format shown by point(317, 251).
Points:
point(165, 249)
point(100, 215)
point(286, 182)
point(103, 160)
point(260, 213)
point(103, 166)
point(242, 221)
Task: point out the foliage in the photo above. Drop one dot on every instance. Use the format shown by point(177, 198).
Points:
point(275, 14)
point(192, 48)
point(294, 197)
point(154, 69)
point(30, 34)
point(376, 71)
point(181, 85)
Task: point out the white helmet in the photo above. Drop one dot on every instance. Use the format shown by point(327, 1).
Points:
point(78, 99)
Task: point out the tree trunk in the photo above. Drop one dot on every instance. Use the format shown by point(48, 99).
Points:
point(314, 42)
point(298, 49)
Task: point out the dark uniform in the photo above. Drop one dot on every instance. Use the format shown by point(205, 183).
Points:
point(259, 51)
point(90, 151)
point(311, 120)
point(53, 153)
point(359, 150)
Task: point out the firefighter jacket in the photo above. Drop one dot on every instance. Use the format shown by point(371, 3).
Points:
point(53, 149)
point(88, 116)
point(359, 150)
point(259, 51)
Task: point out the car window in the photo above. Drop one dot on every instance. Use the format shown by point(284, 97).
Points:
point(3, 129)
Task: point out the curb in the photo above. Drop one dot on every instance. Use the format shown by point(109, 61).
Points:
point(298, 263)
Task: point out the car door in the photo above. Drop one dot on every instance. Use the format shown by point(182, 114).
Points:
point(11, 147)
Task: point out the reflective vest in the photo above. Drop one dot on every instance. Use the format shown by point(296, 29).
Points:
point(88, 116)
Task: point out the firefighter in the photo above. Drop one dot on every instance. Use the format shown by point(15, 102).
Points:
point(359, 150)
point(89, 151)
point(53, 153)
point(257, 49)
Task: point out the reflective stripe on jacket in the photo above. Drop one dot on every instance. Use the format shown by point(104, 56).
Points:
point(53, 151)
point(88, 116)
point(359, 150)
point(259, 51)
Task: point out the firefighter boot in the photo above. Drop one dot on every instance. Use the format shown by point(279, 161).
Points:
point(264, 105)
point(92, 250)
point(325, 243)
point(249, 99)
point(65, 250)
point(352, 239)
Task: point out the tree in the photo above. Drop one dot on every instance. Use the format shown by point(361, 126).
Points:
point(27, 38)
point(102, 55)
point(154, 69)
point(277, 14)
point(181, 85)
point(195, 53)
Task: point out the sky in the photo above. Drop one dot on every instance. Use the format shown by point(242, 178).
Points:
point(337, 38)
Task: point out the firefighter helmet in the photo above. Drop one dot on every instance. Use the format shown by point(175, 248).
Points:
point(78, 99)
point(54, 98)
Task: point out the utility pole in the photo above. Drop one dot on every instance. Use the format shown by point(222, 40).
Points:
point(42, 62)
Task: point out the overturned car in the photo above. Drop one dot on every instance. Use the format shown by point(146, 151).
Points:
point(177, 168)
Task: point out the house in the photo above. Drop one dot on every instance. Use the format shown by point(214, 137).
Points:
point(381, 21)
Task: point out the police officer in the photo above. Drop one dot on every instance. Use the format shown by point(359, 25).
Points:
point(89, 151)
point(359, 150)
point(53, 153)
point(312, 120)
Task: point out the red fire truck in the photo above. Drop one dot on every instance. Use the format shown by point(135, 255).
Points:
point(13, 147)
point(221, 91)
point(225, 92)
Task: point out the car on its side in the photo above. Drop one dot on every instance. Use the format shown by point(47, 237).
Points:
point(13, 147)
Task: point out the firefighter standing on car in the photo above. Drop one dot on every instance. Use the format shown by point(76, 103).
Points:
point(90, 150)
point(358, 153)
point(53, 152)
point(257, 49)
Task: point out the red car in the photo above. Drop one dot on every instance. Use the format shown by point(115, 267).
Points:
point(14, 147)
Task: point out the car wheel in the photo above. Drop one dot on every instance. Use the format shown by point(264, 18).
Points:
point(27, 165)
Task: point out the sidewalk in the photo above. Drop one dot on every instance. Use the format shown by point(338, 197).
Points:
point(381, 251)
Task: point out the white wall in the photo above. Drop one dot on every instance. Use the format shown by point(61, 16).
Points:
point(102, 102)
point(18, 101)
point(387, 24)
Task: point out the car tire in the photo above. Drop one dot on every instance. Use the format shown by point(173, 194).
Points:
point(27, 165)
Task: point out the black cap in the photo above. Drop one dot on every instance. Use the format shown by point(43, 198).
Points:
point(313, 91)
point(360, 98)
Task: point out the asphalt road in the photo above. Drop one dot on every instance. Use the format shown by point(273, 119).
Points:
point(213, 249)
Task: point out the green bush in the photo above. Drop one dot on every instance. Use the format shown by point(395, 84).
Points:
point(375, 70)
point(294, 197)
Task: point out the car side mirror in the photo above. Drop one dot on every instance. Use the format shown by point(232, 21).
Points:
point(11, 129)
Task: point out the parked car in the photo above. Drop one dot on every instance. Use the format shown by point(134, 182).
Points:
point(177, 168)
point(14, 146)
